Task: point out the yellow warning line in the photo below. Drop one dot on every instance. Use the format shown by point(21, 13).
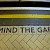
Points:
point(24, 16)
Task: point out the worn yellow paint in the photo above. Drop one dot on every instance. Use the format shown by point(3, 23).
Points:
point(24, 16)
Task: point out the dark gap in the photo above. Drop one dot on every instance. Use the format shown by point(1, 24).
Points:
point(24, 4)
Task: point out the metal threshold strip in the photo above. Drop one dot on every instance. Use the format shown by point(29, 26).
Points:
point(24, 8)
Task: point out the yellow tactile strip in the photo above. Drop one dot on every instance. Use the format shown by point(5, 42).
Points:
point(25, 42)
point(25, 16)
